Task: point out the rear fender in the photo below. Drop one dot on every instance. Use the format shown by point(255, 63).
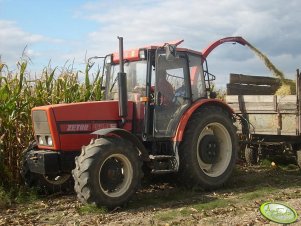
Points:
point(197, 105)
point(127, 136)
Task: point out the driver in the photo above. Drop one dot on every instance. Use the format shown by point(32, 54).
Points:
point(165, 88)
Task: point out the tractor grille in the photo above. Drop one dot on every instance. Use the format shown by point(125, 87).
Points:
point(41, 128)
point(40, 122)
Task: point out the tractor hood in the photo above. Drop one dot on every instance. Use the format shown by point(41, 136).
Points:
point(96, 110)
point(70, 125)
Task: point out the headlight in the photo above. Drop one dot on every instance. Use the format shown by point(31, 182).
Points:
point(49, 141)
point(41, 141)
point(45, 140)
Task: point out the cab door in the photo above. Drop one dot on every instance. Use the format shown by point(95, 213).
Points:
point(172, 92)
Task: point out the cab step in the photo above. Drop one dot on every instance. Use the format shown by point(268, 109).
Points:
point(154, 171)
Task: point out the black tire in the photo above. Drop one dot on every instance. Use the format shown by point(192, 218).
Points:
point(298, 153)
point(42, 183)
point(209, 136)
point(251, 156)
point(107, 173)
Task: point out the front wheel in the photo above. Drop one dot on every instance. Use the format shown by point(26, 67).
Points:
point(209, 148)
point(44, 184)
point(107, 173)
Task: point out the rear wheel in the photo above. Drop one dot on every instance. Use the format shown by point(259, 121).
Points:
point(209, 148)
point(251, 155)
point(107, 173)
point(45, 184)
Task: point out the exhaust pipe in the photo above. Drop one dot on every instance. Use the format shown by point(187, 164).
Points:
point(122, 86)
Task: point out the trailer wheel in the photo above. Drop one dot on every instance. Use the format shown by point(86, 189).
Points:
point(298, 152)
point(251, 155)
point(43, 183)
point(209, 149)
point(107, 173)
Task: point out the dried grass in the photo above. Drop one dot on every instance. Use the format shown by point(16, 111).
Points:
point(288, 87)
point(276, 72)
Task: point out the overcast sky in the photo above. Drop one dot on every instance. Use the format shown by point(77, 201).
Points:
point(69, 30)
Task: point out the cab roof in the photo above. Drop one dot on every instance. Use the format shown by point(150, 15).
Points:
point(133, 54)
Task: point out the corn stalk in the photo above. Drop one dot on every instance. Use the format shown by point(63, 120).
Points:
point(18, 95)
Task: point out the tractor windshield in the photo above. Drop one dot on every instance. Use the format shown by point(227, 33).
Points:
point(136, 79)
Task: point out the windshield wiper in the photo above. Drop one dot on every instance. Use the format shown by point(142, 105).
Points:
point(113, 83)
point(127, 63)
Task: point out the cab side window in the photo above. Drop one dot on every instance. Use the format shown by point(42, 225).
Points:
point(198, 88)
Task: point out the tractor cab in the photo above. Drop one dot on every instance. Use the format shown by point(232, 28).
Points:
point(161, 84)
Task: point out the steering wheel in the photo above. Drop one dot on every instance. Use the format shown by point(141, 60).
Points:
point(179, 95)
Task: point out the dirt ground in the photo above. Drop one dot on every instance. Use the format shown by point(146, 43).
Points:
point(161, 202)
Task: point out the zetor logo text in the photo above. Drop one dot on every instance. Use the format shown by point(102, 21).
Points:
point(77, 127)
point(85, 127)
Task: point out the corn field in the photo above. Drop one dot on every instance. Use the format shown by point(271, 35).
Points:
point(19, 93)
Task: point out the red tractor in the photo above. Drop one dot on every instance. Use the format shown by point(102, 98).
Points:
point(158, 112)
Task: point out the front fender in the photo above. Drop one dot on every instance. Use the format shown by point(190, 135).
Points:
point(127, 136)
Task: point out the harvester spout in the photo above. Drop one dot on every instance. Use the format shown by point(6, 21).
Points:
point(215, 44)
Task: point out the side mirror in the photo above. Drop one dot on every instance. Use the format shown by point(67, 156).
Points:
point(170, 51)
